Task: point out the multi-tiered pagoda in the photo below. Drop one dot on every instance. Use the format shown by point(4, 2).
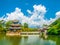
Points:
point(15, 26)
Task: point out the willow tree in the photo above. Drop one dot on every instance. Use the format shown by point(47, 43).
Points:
point(2, 25)
point(7, 24)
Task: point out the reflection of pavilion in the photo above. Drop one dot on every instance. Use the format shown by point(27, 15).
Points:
point(15, 26)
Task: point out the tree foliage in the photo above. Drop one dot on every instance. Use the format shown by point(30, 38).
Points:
point(25, 25)
point(55, 27)
point(7, 24)
point(4, 25)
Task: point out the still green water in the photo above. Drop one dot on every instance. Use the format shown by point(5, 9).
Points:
point(30, 40)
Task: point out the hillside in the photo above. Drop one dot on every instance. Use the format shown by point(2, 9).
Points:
point(54, 28)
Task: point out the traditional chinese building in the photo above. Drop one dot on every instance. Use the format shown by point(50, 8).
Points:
point(15, 26)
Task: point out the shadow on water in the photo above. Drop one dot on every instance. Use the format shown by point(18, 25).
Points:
point(55, 39)
point(30, 40)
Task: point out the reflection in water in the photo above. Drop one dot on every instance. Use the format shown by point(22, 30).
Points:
point(30, 40)
point(14, 40)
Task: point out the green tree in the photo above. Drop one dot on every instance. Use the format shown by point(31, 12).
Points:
point(25, 25)
point(2, 27)
point(7, 24)
point(55, 27)
point(53, 31)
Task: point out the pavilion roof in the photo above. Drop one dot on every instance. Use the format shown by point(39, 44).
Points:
point(15, 21)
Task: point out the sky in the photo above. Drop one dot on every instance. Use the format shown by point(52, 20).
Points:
point(33, 12)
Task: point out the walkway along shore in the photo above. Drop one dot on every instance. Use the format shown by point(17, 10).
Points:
point(36, 33)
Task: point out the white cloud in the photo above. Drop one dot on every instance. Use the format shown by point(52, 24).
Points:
point(52, 20)
point(58, 14)
point(39, 8)
point(36, 19)
point(29, 11)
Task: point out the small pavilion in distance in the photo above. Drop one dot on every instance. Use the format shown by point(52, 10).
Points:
point(43, 30)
